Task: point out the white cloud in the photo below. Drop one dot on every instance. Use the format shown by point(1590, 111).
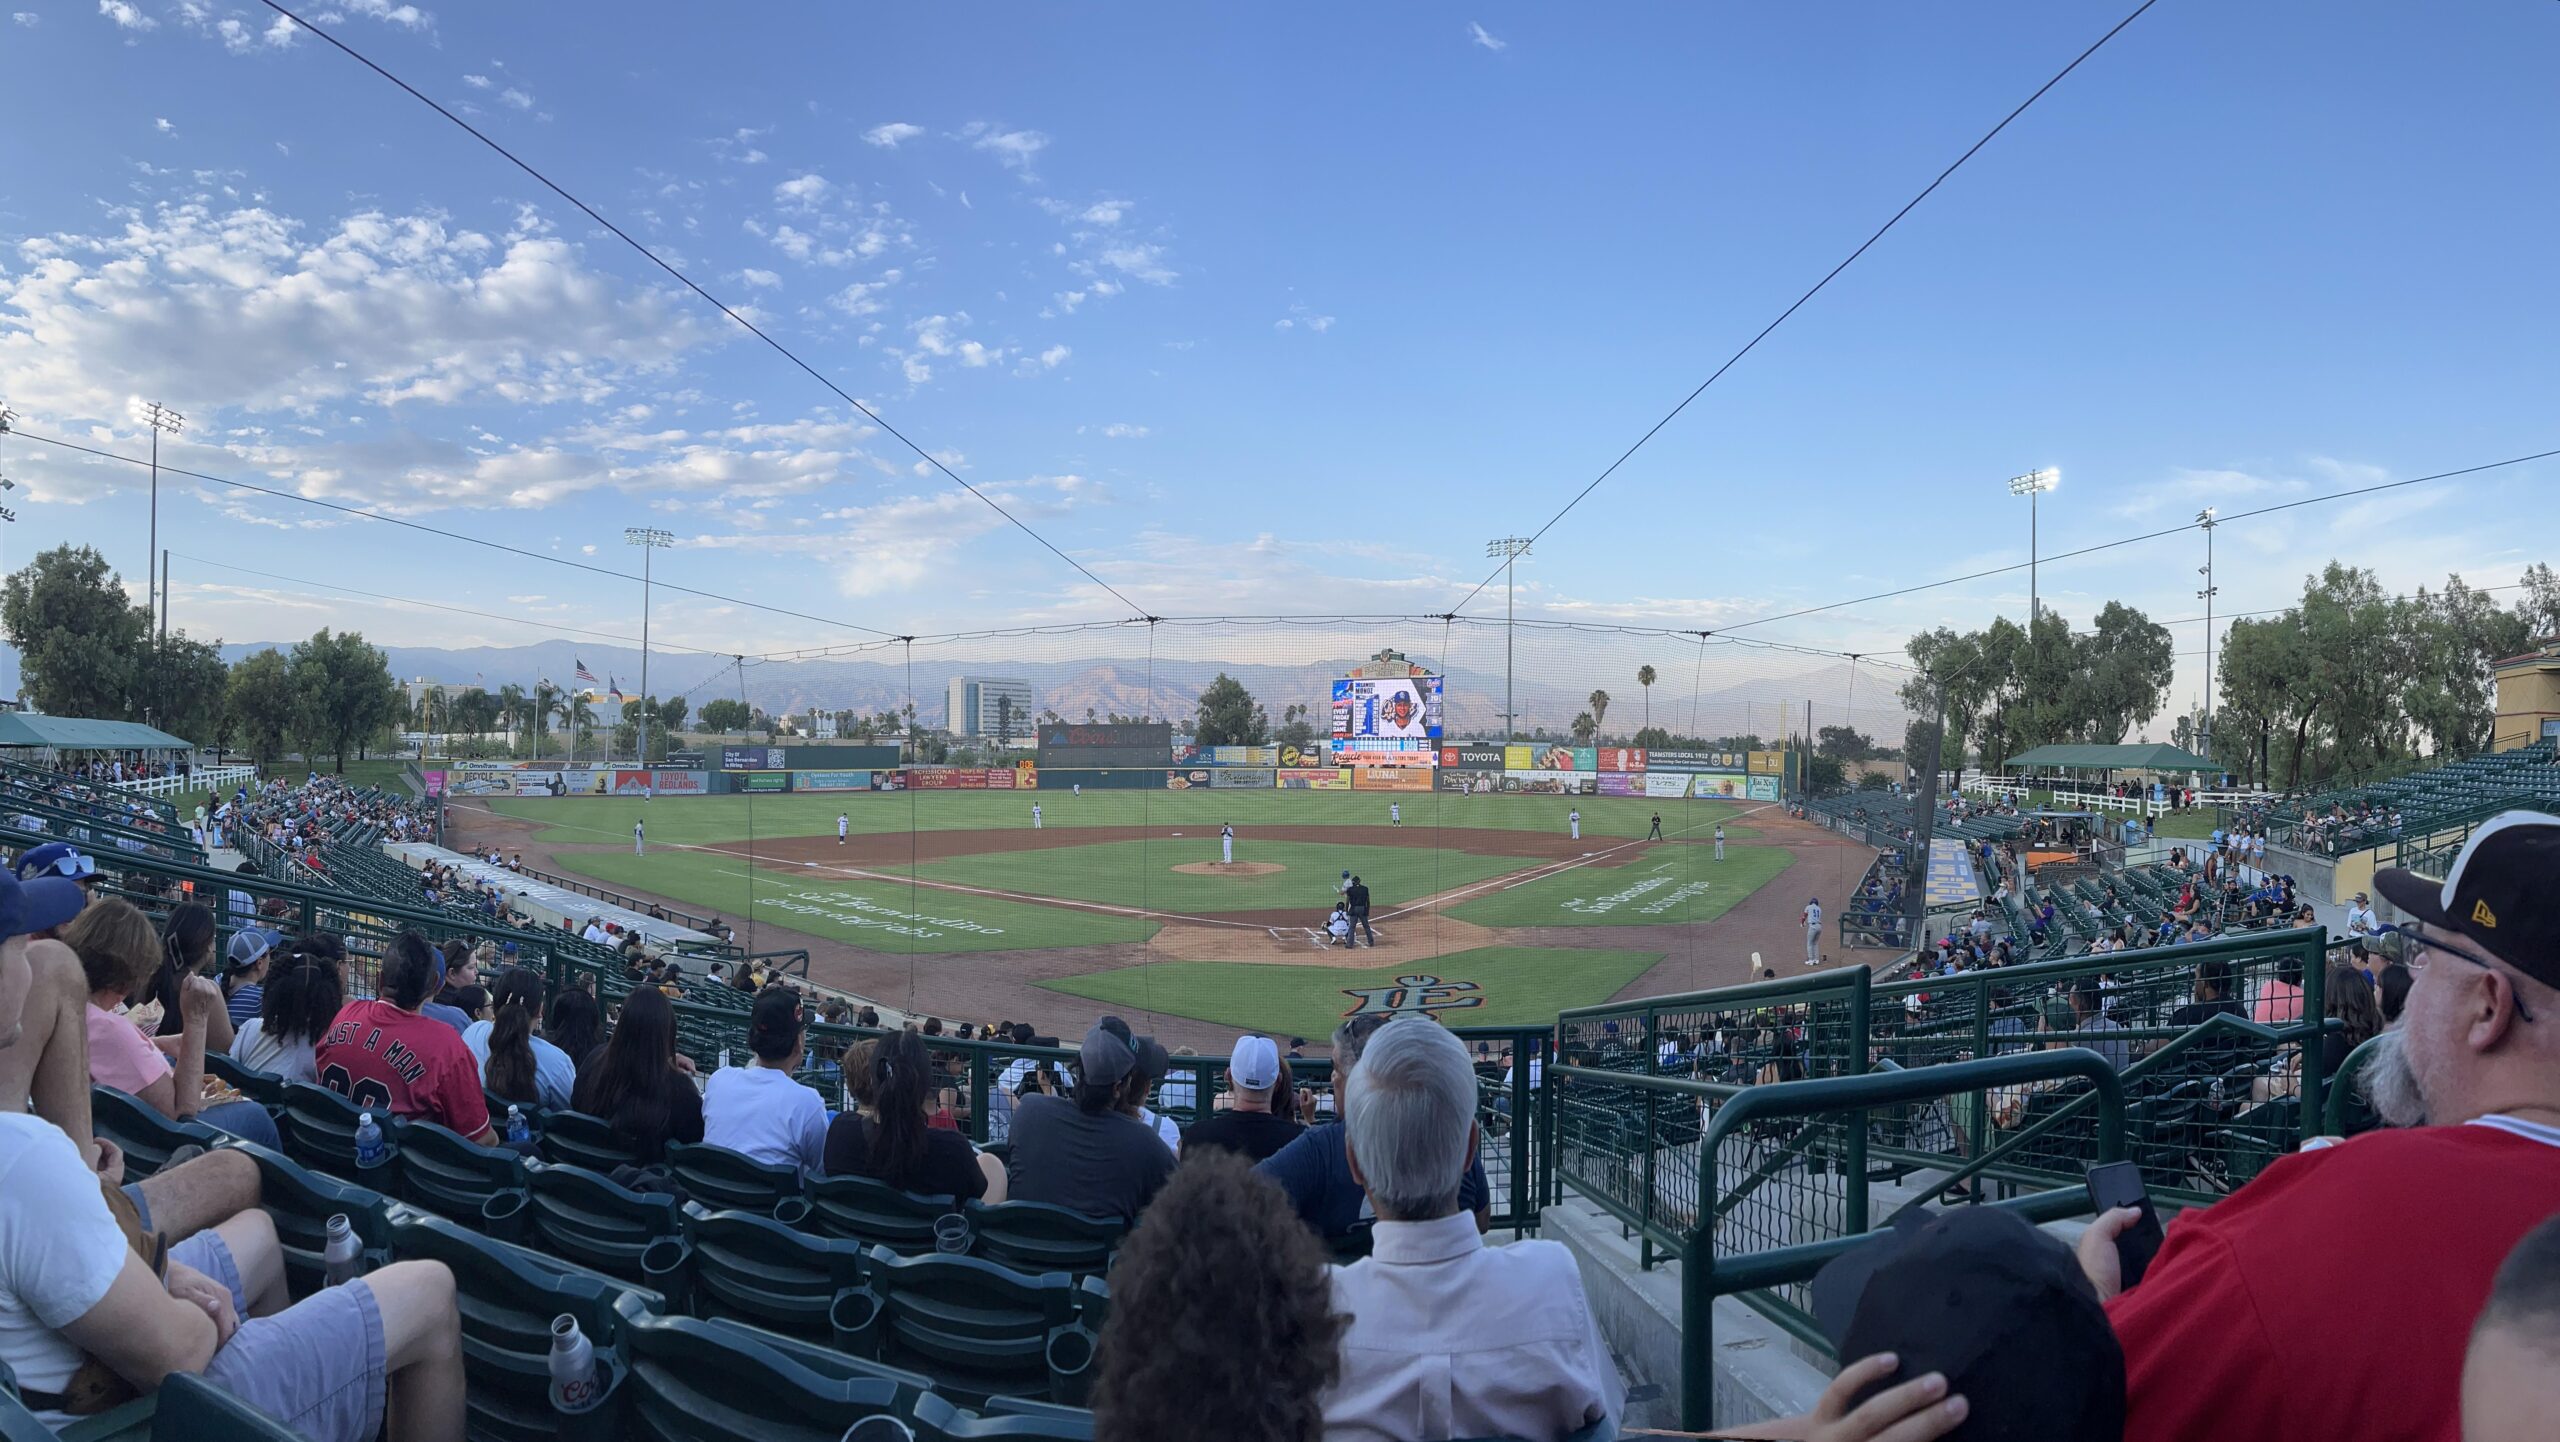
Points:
point(1483, 37)
point(761, 279)
point(893, 134)
point(861, 297)
point(27, 18)
point(478, 82)
point(1139, 261)
point(239, 39)
point(1055, 356)
point(1123, 431)
point(163, 126)
point(1302, 318)
point(407, 16)
point(803, 191)
point(127, 15)
point(516, 97)
point(1015, 148)
point(1105, 212)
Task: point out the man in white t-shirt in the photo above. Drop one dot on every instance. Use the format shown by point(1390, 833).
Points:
point(759, 1109)
point(72, 1288)
point(1813, 932)
point(2360, 917)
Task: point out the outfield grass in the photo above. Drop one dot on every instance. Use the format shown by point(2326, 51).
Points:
point(884, 916)
point(703, 820)
point(1140, 873)
point(1521, 986)
point(1667, 885)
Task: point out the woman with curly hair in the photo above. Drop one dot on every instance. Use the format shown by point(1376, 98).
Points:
point(1221, 1307)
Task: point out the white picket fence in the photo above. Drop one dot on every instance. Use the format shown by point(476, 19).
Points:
point(212, 777)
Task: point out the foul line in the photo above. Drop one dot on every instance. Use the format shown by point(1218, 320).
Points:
point(860, 874)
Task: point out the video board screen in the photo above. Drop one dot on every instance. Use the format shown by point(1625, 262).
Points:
point(1398, 708)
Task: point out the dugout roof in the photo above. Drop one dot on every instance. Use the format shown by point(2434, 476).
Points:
point(2138, 756)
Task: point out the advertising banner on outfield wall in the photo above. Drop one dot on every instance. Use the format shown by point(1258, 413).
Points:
point(482, 781)
point(999, 778)
point(1621, 783)
point(1665, 785)
point(1195, 778)
point(753, 758)
point(1551, 783)
point(1472, 758)
point(1390, 778)
point(761, 781)
point(1310, 757)
point(1068, 778)
point(683, 783)
point(1026, 776)
point(1768, 763)
point(1763, 788)
point(661, 783)
point(1152, 736)
point(1718, 787)
point(434, 782)
point(1384, 751)
point(1243, 756)
point(1552, 757)
point(1452, 778)
point(840, 758)
point(1239, 778)
point(1620, 758)
point(1315, 778)
point(1662, 759)
point(830, 780)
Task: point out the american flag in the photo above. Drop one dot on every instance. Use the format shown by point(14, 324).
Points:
point(584, 674)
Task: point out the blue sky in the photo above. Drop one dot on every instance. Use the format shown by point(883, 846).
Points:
point(1262, 311)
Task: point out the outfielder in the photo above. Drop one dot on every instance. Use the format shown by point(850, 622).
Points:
point(1719, 841)
point(639, 838)
point(1035, 815)
point(843, 824)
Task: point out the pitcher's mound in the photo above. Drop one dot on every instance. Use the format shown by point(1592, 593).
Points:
point(1229, 868)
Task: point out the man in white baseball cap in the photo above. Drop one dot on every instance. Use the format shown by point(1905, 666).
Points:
point(1248, 1125)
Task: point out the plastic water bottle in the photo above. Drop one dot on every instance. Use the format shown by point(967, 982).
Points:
point(371, 1151)
point(573, 1366)
point(343, 1259)
point(517, 1131)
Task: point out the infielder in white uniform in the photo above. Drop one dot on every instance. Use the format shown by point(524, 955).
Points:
point(639, 838)
point(1395, 813)
point(1719, 841)
point(1227, 845)
point(843, 824)
point(1035, 815)
point(1813, 932)
point(1573, 819)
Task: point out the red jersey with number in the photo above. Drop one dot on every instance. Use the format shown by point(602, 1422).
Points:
point(2333, 1296)
point(381, 1057)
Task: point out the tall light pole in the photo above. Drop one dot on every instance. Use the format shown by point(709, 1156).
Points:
point(650, 540)
point(7, 513)
point(1508, 550)
point(2204, 733)
point(159, 418)
point(2032, 485)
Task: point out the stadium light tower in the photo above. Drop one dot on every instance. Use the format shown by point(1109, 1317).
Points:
point(2204, 733)
point(1508, 550)
point(2032, 485)
point(159, 418)
point(650, 540)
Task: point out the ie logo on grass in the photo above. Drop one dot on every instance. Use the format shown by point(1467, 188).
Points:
point(1414, 996)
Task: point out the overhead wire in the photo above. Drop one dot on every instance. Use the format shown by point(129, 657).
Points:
point(688, 282)
point(1818, 286)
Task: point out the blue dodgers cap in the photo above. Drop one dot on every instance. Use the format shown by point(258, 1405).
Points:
point(27, 907)
point(55, 858)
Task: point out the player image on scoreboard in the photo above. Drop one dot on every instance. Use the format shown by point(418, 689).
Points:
point(1400, 708)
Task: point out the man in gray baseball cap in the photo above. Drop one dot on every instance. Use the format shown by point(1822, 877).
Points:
point(1088, 1155)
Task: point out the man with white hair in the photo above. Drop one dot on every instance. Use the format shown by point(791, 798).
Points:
point(1449, 1337)
point(2470, 1080)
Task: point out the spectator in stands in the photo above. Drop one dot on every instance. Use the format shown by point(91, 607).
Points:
point(2392, 987)
point(759, 1109)
point(2510, 1387)
point(2471, 1081)
point(472, 1001)
point(80, 1293)
point(2351, 1002)
point(1087, 1155)
point(118, 952)
point(2089, 1018)
point(1221, 1307)
point(1450, 1338)
point(1315, 1171)
point(899, 1147)
point(2212, 998)
point(438, 1005)
point(639, 1083)
point(2280, 1001)
point(186, 949)
point(294, 1011)
point(386, 1053)
point(244, 972)
point(516, 1064)
point(1246, 1124)
point(575, 1023)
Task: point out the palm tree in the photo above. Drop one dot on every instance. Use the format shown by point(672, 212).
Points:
point(1584, 726)
point(1644, 678)
point(1599, 709)
point(578, 714)
point(511, 707)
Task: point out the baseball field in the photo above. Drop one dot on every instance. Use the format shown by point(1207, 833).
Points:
point(955, 903)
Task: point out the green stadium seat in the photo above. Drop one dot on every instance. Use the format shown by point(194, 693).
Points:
point(936, 1419)
point(578, 1140)
point(300, 1202)
point(192, 1409)
point(128, 1423)
point(1036, 1237)
point(509, 1296)
point(589, 1220)
point(874, 1212)
point(980, 1329)
point(724, 1180)
point(263, 1087)
point(144, 1136)
point(697, 1381)
point(319, 1128)
point(451, 1177)
point(767, 1274)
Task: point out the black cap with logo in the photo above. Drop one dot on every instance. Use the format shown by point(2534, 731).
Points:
point(2503, 892)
